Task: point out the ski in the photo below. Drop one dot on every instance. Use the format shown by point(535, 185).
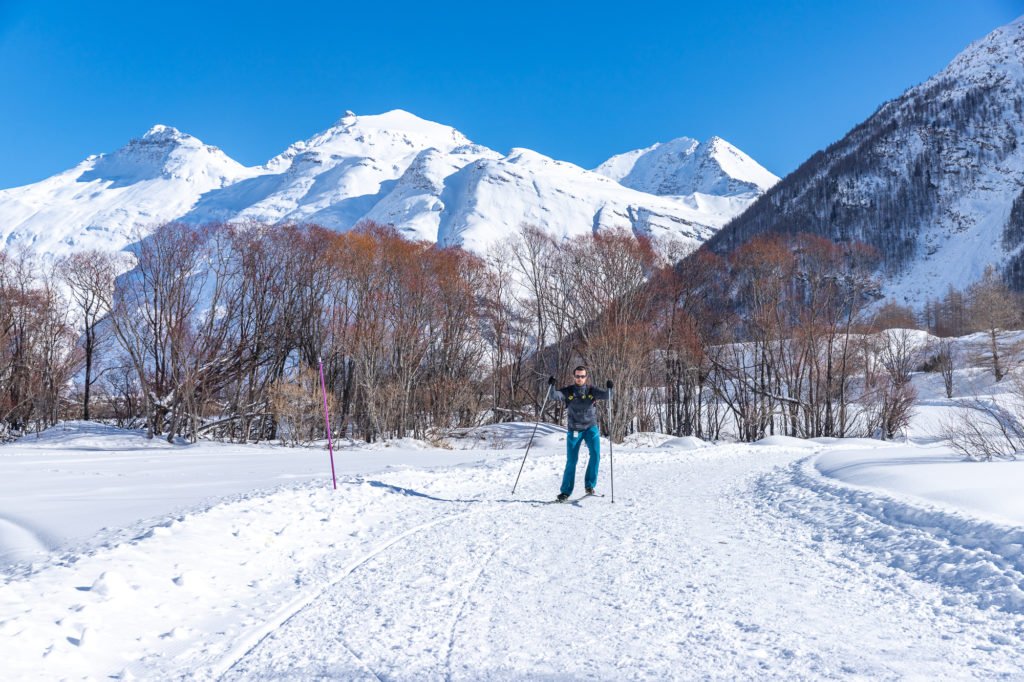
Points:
point(573, 500)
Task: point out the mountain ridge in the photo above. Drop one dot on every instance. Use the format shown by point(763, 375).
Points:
point(930, 179)
point(426, 178)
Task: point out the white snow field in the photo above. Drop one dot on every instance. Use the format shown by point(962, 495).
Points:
point(83, 482)
point(728, 561)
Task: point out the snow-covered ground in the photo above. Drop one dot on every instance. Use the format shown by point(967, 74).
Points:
point(785, 558)
point(82, 483)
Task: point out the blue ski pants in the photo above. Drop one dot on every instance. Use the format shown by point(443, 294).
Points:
point(572, 446)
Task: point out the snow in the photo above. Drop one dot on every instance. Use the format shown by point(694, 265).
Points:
point(427, 179)
point(101, 201)
point(495, 197)
point(936, 476)
point(684, 167)
point(81, 483)
point(715, 560)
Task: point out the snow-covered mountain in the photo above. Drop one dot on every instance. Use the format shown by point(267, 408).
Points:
point(684, 167)
point(427, 179)
point(335, 177)
point(96, 204)
point(934, 179)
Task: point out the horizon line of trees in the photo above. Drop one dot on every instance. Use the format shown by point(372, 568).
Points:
point(219, 330)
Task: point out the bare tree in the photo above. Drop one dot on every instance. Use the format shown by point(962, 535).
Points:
point(899, 353)
point(941, 352)
point(37, 345)
point(536, 263)
point(692, 318)
point(889, 399)
point(506, 328)
point(611, 309)
point(994, 310)
point(89, 277)
point(152, 313)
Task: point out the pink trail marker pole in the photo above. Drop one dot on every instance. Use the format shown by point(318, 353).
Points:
point(327, 420)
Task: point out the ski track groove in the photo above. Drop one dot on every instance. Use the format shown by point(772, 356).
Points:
point(772, 498)
point(248, 642)
point(465, 600)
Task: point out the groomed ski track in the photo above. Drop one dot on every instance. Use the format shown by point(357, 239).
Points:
point(731, 562)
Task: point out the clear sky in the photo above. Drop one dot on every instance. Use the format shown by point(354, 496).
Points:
point(576, 81)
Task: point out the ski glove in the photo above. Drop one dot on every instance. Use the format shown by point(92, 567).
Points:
point(551, 381)
point(608, 384)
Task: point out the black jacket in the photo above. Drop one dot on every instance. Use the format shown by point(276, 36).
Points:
point(579, 403)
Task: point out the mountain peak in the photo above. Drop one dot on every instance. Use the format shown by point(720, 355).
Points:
point(164, 151)
point(684, 166)
point(160, 131)
point(715, 142)
point(425, 178)
point(392, 139)
point(395, 119)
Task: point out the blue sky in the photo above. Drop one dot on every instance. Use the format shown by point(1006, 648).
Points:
point(576, 81)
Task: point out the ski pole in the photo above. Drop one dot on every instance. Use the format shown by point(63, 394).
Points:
point(611, 443)
point(327, 419)
point(542, 406)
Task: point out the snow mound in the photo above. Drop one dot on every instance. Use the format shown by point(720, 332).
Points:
point(79, 436)
point(18, 543)
point(847, 443)
point(934, 476)
point(786, 441)
point(645, 439)
point(110, 585)
point(685, 443)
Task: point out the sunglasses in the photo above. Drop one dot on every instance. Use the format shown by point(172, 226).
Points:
point(580, 376)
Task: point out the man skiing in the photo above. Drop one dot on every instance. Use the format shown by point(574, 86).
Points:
point(579, 402)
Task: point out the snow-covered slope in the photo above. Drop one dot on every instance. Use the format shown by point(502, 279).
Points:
point(933, 179)
point(491, 198)
point(426, 179)
point(714, 179)
point(432, 183)
point(335, 177)
point(684, 167)
point(97, 203)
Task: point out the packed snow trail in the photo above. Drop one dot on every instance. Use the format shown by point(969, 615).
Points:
point(714, 563)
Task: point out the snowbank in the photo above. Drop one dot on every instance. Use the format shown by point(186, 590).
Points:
point(958, 547)
point(933, 475)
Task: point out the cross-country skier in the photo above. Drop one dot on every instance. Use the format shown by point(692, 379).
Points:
point(579, 401)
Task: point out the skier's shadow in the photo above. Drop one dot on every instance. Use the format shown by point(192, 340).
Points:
point(410, 492)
